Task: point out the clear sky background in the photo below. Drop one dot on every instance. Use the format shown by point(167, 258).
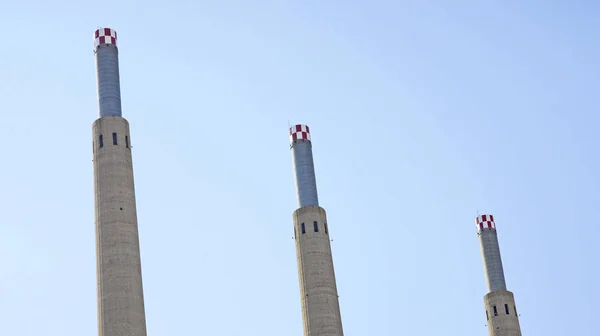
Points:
point(422, 114)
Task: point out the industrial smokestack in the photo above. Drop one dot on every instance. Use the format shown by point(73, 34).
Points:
point(500, 306)
point(120, 293)
point(318, 290)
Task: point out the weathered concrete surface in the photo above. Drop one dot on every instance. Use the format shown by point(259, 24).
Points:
point(318, 290)
point(501, 323)
point(120, 293)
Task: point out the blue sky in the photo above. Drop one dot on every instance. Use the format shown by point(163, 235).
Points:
point(422, 113)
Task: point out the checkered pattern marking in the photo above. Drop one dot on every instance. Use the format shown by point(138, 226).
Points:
point(485, 222)
point(105, 36)
point(299, 132)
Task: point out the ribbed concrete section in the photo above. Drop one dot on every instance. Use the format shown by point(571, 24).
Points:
point(304, 173)
point(120, 292)
point(108, 81)
point(318, 290)
point(502, 316)
point(492, 261)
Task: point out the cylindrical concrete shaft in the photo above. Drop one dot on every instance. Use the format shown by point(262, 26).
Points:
point(492, 261)
point(502, 316)
point(120, 292)
point(304, 173)
point(490, 252)
point(318, 290)
point(304, 167)
point(107, 73)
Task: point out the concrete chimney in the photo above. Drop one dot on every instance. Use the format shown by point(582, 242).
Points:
point(500, 306)
point(318, 290)
point(120, 294)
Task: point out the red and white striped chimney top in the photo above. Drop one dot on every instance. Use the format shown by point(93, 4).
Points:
point(299, 132)
point(105, 36)
point(485, 222)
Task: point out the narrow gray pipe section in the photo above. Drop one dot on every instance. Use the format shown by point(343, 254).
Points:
point(107, 75)
point(304, 172)
point(492, 262)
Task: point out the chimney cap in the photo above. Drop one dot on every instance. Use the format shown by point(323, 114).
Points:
point(105, 36)
point(299, 132)
point(485, 222)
